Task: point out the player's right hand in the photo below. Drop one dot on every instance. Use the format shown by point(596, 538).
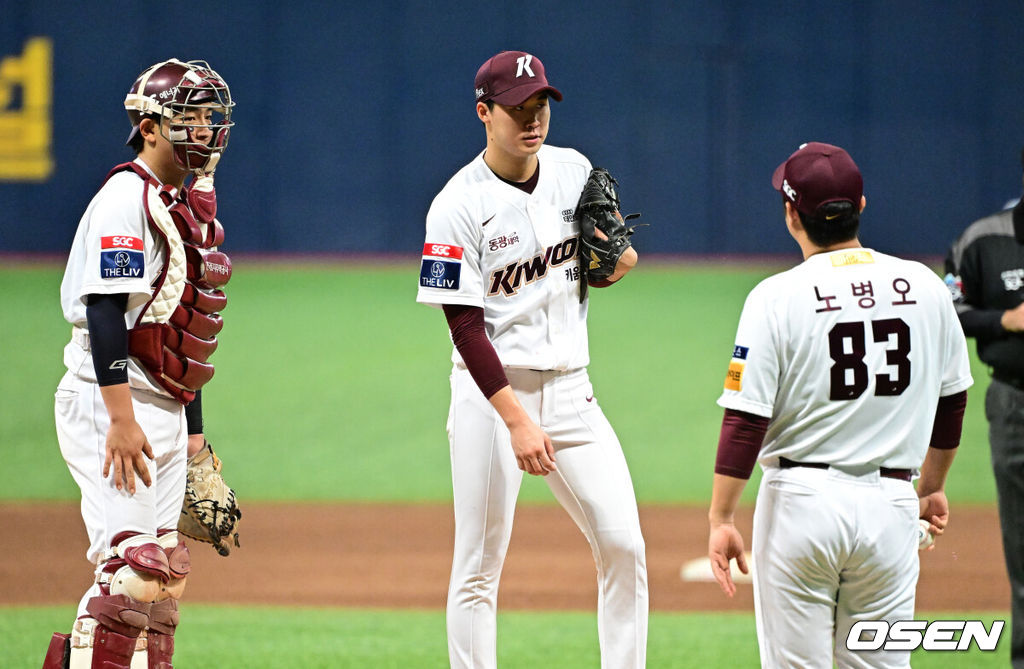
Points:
point(126, 445)
point(534, 452)
point(934, 508)
point(724, 544)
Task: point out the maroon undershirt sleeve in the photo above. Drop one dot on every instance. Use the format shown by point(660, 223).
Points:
point(467, 326)
point(739, 442)
point(949, 421)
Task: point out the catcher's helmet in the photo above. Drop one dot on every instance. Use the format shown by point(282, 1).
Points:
point(172, 88)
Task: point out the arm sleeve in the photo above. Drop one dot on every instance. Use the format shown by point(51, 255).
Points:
point(981, 322)
point(194, 414)
point(108, 337)
point(964, 281)
point(739, 442)
point(949, 421)
point(470, 338)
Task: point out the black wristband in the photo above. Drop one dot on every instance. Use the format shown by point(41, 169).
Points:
point(108, 337)
point(194, 414)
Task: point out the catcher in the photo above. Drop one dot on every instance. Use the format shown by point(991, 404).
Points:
point(142, 292)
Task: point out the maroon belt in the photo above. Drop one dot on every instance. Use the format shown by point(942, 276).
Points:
point(887, 472)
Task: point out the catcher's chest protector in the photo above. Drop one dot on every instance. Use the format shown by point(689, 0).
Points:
point(176, 332)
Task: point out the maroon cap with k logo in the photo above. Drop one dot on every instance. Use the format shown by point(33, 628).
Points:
point(511, 77)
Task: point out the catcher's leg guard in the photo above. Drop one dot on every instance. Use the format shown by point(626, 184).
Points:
point(163, 616)
point(59, 653)
point(108, 639)
point(163, 620)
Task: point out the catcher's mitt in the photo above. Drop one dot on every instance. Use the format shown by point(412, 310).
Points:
point(598, 209)
point(209, 512)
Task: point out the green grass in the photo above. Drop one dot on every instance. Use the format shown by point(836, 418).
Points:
point(332, 384)
point(265, 637)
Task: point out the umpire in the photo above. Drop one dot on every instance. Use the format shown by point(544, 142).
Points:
point(985, 274)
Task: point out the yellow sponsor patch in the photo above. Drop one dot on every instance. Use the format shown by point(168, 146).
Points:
point(852, 258)
point(734, 377)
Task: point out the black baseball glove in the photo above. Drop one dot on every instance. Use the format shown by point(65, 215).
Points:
point(598, 209)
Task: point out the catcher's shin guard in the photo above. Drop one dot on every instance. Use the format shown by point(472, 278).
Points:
point(163, 620)
point(59, 653)
point(163, 615)
point(109, 638)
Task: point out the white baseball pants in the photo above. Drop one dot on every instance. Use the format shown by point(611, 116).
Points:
point(592, 484)
point(829, 549)
point(82, 424)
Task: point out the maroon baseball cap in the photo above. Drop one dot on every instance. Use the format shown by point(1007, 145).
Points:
point(511, 77)
point(816, 174)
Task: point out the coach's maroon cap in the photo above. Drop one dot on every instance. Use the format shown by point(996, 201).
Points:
point(816, 174)
point(511, 77)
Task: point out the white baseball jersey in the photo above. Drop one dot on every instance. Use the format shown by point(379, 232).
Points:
point(114, 251)
point(491, 245)
point(847, 353)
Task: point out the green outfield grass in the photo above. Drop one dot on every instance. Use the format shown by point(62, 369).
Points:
point(332, 383)
point(272, 638)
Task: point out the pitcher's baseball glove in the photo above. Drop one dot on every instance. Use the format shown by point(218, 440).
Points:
point(598, 209)
point(209, 512)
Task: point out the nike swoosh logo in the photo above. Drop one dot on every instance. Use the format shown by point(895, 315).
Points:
point(832, 217)
point(487, 221)
point(590, 399)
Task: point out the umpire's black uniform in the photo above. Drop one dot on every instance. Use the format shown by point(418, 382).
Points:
point(985, 273)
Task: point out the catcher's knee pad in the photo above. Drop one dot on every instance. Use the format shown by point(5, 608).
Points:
point(179, 564)
point(136, 566)
point(110, 636)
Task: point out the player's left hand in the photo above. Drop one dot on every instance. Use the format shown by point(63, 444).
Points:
point(724, 544)
point(604, 235)
point(934, 508)
point(209, 510)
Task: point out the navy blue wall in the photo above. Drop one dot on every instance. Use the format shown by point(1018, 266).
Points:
point(351, 117)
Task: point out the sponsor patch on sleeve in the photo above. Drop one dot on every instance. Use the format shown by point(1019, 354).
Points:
point(956, 287)
point(734, 377)
point(441, 266)
point(740, 352)
point(440, 274)
point(442, 251)
point(121, 257)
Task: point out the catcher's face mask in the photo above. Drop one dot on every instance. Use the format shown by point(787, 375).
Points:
point(196, 101)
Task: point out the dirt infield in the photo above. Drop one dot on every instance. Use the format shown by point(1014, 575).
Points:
point(399, 556)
